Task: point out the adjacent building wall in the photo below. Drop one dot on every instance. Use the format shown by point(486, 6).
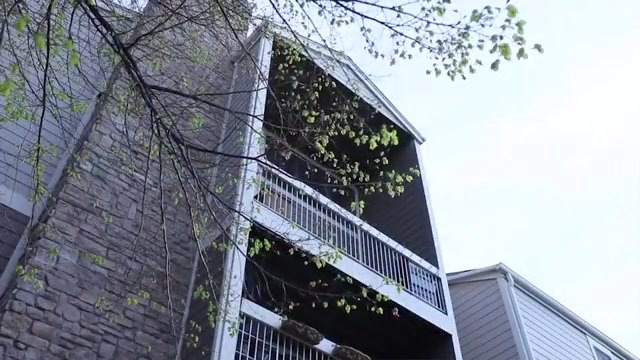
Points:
point(550, 336)
point(484, 328)
point(491, 302)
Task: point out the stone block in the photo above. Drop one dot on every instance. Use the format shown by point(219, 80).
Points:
point(44, 331)
point(17, 306)
point(14, 324)
point(144, 339)
point(33, 341)
point(67, 310)
point(35, 314)
point(45, 304)
point(106, 350)
point(44, 258)
point(74, 339)
point(28, 298)
point(81, 354)
point(63, 284)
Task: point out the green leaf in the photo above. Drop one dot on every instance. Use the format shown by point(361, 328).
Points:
point(495, 65)
point(475, 16)
point(41, 41)
point(197, 122)
point(539, 48)
point(22, 22)
point(522, 54)
point(520, 25)
point(132, 301)
point(68, 44)
point(79, 107)
point(512, 11)
point(6, 86)
point(14, 69)
point(74, 59)
point(505, 51)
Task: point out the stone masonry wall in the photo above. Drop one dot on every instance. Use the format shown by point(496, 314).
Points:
point(99, 288)
point(99, 271)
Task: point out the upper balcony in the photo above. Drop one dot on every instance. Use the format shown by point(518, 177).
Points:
point(282, 197)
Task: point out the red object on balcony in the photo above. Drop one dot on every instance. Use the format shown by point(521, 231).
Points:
point(394, 313)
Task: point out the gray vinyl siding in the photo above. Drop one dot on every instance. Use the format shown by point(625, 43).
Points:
point(61, 120)
point(404, 218)
point(550, 336)
point(484, 328)
point(234, 139)
point(12, 225)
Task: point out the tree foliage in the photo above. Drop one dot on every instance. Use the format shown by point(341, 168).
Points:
point(160, 72)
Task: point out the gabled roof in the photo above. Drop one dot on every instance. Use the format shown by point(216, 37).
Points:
point(345, 70)
point(499, 270)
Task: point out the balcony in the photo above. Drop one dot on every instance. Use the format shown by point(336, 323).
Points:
point(259, 338)
point(316, 224)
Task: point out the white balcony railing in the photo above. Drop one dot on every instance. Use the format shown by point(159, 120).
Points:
point(260, 339)
point(321, 217)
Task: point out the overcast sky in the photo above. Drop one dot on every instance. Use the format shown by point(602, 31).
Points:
point(538, 166)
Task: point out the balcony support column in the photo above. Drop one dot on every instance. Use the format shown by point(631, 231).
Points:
point(225, 337)
point(445, 288)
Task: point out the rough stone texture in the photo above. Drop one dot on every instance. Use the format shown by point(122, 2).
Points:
point(102, 283)
point(343, 352)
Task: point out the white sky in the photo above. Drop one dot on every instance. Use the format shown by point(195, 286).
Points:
point(538, 166)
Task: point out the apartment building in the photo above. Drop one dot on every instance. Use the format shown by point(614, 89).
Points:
point(99, 280)
point(390, 247)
